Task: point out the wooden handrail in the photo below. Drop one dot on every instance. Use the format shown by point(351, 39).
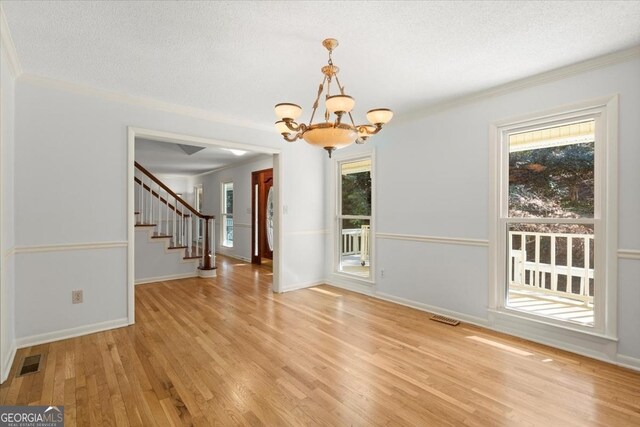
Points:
point(168, 190)
point(159, 197)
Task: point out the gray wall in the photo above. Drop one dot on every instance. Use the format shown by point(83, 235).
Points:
point(71, 156)
point(432, 175)
point(7, 218)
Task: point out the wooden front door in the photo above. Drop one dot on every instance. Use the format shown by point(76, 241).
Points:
point(262, 215)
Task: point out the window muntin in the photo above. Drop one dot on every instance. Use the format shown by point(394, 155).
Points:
point(227, 214)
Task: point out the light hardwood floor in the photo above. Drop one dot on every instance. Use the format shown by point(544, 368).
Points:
point(226, 351)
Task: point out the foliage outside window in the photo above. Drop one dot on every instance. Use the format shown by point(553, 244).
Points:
point(550, 228)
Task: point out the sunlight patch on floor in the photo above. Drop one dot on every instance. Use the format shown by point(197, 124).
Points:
point(500, 346)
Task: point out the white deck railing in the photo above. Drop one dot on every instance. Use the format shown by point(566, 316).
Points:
point(527, 274)
point(355, 241)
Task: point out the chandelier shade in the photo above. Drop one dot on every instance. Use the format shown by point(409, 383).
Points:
point(330, 134)
point(327, 135)
point(288, 111)
point(379, 116)
point(340, 104)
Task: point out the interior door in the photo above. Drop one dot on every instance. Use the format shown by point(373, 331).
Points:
point(262, 215)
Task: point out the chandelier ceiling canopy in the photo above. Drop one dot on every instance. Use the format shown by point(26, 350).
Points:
point(328, 134)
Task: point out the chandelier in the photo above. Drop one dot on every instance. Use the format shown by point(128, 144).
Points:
point(327, 134)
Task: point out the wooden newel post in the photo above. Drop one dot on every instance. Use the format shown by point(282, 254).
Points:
point(208, 266)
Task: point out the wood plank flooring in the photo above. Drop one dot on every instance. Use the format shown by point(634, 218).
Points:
point(225, 351)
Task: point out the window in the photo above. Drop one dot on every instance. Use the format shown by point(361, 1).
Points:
point(354, 217)
point(553, 201)
point(227, 214)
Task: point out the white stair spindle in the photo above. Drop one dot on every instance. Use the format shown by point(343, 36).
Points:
point(175, 217)
point(189, 235)
point(159, 222)
point(159, 210)
point(201, 238)
point(149, 213)
point(181, 226)
point(140, 216)
point(212, 241)
point(166, 226)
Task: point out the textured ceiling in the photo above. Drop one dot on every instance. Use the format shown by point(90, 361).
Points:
point(240, 58)
point(167, 158)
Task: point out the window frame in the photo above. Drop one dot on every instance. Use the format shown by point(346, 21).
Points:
point(605, 113)
point(225, 215)
point(338, 216)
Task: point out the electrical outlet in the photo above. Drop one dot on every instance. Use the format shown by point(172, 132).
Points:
point(382, 273)
point(76, 297)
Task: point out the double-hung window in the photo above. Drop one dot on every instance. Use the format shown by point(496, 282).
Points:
point(554, 203)
point(354, 217)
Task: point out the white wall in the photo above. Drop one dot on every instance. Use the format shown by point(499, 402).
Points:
point(212, 193)
point(71, 155)
point(180, 185)
point(433, 180)
point(7, 218)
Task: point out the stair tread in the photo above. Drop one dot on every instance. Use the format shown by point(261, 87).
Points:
point(161, 236)
point(145, 225)
point(177, 247)
point(192, 257)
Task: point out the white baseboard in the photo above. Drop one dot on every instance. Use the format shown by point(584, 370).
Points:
point(298, 286)
point(8, 363)
point(71, 333)
point(230, 255)
point(628, 362)
point(478, 321)
point(165, 278)
point(353, 287)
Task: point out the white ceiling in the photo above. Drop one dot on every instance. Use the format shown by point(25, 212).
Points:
point(240, 58)
point(168, 158)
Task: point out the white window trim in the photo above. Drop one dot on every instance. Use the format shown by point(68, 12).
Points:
point(223, 214)
point(605, 110)
point(368, 153)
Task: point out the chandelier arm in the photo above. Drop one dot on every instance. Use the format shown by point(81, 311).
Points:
point(293, 126)
point(365, 130)
point(342, 93)
point(292, 138)
point(315, 104)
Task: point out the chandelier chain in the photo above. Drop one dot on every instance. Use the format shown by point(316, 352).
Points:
point(315, 104)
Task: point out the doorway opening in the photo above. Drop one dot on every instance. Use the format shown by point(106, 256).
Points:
point(133, 201)
point(262, 217)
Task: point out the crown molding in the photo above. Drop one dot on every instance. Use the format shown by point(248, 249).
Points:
point(527, 82)
point(141, 101)
point(9, 47)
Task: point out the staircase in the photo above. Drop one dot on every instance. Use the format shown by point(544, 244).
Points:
point(173, 240)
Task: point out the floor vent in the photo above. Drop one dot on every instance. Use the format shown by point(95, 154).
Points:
point(447, 320)
point(30, 365)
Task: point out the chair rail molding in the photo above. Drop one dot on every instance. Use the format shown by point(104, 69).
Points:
point(434, 239)
point(69, 247)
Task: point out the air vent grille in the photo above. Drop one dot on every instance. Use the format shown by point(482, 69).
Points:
point(30, 365)
point(447, 320)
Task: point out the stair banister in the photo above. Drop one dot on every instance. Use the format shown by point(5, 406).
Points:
point(207, 266)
